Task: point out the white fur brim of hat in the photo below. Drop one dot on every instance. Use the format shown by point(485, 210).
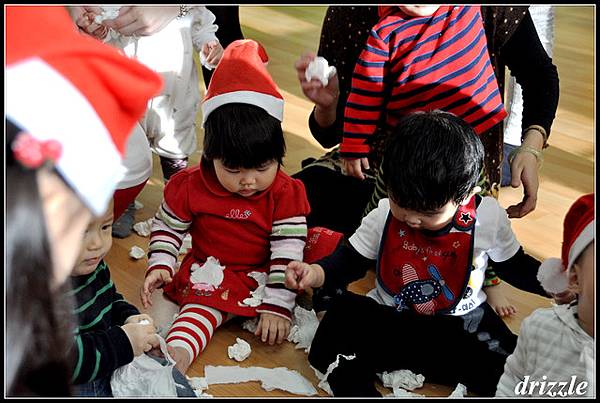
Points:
point(552, 274)
point(271, 104)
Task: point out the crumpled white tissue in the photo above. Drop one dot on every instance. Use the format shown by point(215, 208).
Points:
point(144, 228)
point(459, 391)
point(323, 384)
point(199, 385)
point(240, 350)
point(208, 276)
point(304, 327)
point(108, 13)
point(136, 252)
point(250, 325)
point(186, 244)
point(399, 392)
point(258, 294)
point(402, 378)
point(319, 68)
point(270, 378)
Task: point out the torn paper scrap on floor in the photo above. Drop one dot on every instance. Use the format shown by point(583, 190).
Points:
point(459, 391)
point(186, 244)
point(258, 294)
point(270, 378)
point(240, 350)
point(323, 384)
point(402, 378)
point(207, 277)
point(143, 228)
point(304, 327)
point(399, 392)
point(136, 252)
point(199, 385)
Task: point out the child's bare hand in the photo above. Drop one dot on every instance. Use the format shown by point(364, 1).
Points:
point(142, 337)
point(272, 328)
point(154, 280)
point(139, 318)
point(300, 275)
point(352, 166)
point(213, 52)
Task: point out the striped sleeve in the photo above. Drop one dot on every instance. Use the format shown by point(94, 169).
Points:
point(366, 97)
point(166, 238)
point(288, 238)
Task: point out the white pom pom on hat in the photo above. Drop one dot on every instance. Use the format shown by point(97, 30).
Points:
point(578, 233)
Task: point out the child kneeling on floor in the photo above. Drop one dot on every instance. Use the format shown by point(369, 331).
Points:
point(431, 242)
point(555, 353)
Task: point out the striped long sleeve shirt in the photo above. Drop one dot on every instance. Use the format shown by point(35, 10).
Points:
point(421, 63)
point(101, 345)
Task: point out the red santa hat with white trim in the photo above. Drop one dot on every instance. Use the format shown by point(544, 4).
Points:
point(70, 89)
point(242, 77)
point(578, 233)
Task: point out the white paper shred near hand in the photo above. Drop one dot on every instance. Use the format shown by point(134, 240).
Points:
point(320, 69)
point(136, 252)
point(250, 325)
point(323, 384)
point(144, 228)
point(258, 294)
point(240, 350)
point(402, 378)
point(270, 378)
point(199, 385)
point(459, 391)
point(304, 327)
point(108, 13)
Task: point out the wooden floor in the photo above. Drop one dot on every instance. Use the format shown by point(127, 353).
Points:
point(567, 173)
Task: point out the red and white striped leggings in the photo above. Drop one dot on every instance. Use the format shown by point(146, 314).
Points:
point(193, 328)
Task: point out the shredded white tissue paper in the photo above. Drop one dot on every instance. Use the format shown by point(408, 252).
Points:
point(270, 378)
point(459, 391)
point(199, 385)
point(250, 325)
point(399, 392)
point(402, 378)
point(304, 327)
point(323, 384)
point(108, 13)
point(143, 228)
point(186, 244)
point(258, 294)
point(136, 252)
point(319, 68)
point(208, 276)
point(240, 350)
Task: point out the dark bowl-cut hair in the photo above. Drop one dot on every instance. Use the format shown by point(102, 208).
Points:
point(431, 158)
point(243, 136)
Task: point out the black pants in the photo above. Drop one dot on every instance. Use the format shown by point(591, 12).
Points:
point(336, 201)
point(228, 20)
point(470, 349)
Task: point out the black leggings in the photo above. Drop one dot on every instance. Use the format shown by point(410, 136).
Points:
point(470, 349)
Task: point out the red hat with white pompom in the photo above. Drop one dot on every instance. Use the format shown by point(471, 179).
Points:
point(578, 233)
point(242, 77)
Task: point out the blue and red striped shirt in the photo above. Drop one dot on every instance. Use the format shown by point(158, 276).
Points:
point(421, 64)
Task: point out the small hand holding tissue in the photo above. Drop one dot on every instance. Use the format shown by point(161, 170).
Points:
point(319, 68)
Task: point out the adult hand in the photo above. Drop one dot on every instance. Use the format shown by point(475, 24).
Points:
point(142, 337)
point(324, 97)
point(142, 20)
point(300, 275)
point(524, 170)
point(353, 166)
point(272, 328)
point(155, 279)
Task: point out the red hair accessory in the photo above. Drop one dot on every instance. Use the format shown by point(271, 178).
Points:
point(32, 153)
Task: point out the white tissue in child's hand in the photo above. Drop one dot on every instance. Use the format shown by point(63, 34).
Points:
point(136, 252)
point(240, 350)
point(320, 69)
point(210, 273)
point(108, 13)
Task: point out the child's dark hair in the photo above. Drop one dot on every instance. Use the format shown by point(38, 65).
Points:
point(431, 158)
point(243, 136)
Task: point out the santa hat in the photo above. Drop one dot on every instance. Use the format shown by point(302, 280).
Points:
point(242, 77)
point(578, 233)
point(68, 88)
